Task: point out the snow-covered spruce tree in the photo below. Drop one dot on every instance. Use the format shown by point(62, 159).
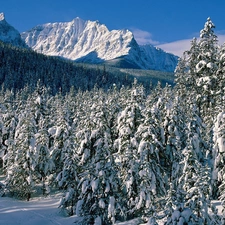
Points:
point(195, 181)
point(176, 213)
point(171, 117)
point(185, 72)
point(98, 184)
point(174, 127)
point(9, 121)
point(207, 65)
point(202, 83)
point(220, 74)
point(59, 133)
point(190, 192)
point(3, 137)
point(67, 179)
point(151, 177)
point(21, 177)
point(196, 130)
point(71, 104)
point(175, 141)
point(39, 103)
point(189, 203)
point(126, 145)
point(185, 77)
point(38, 108)
point(82, 152)
point(199, 77)
point(44, 163)
point(219, 156)
point(115, 104)
point(207, 80)
point(180, 79)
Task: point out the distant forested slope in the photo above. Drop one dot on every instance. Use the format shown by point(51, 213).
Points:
point(24, 67)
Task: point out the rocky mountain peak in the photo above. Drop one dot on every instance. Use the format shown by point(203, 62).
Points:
point(9, 34)
point(2, 16)
point(92, 42)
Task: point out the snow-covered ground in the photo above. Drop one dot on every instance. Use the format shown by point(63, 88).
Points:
point(38, 211)
point(35, 212)
point(44, 211)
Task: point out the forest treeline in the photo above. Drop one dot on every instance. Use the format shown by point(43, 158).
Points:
point(21, 67)
point(124, 152)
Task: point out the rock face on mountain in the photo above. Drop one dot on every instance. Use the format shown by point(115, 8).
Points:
point(157, 58)
point(9, 34)
point(92, 42)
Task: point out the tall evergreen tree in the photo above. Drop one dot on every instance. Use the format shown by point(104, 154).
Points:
point(220, 74)
point(126, 144)
point(44, 164)
point(206, 69)
point(152, 177)
point(195, 181)
point(59, 134)
point(219, 154)
point(98, 184)
point(21, 172)
point(198, 76)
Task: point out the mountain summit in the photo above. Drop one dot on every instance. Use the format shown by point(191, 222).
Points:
point(2, 16)
point(9, 34)
point(92, 42)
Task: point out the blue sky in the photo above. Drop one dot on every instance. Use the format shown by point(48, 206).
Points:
point(169, 24)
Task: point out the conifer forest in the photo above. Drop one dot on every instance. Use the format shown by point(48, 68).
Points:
point(115, 147)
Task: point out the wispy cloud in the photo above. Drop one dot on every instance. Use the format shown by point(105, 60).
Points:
point(221, 38)
point(143, 37)
point(177, 47)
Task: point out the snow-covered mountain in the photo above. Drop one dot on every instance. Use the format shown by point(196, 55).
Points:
point(9, 34)
point(92, 42)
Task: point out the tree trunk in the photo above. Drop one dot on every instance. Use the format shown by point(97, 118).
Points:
point(28, 196)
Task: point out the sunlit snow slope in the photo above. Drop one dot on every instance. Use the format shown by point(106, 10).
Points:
point(92, 42)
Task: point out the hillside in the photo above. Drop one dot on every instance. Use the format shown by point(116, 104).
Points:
point(24, 67)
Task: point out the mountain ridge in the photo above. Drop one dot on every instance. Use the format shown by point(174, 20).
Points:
point(89, 42)
point(92, 42)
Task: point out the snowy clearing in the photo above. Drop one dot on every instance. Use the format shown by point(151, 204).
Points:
point(40, 210)
point(37, 211)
